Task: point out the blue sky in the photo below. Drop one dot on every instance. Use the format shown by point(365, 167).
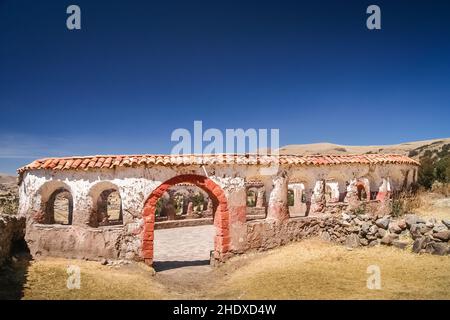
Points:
point(137, 70)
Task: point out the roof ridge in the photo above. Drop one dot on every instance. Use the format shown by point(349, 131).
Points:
point(99, 161)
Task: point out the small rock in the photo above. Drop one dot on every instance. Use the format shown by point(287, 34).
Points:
point(365, 227)
point(104, 262)
point(415, 232)
point(364, 217)
point(364, 242)
point(352, 241)
point(399, 244)
point(442, 235)
point(371, 237)
point(410, 220)
point(446, 222)
point(353, 229)
point(420, 220)
point(382, 223)
point(325, 236)
point(402, 224)
point(345, 216)
point(423, 228)
point(345, 223)
point(394, 228)
point(439, 227)
point(437, 248)
point(381, 233)
point(373, 229)
point(357, 221)
point(419, 244)
point(429, 224)
point(373, 243)
point(386, 240)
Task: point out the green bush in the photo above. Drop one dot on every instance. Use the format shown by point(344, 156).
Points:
point(9, 205)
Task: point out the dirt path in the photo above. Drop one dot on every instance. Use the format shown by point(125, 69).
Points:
point(181, 260)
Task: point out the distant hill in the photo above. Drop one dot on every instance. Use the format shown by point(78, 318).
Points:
point(7, 178)
point(413, 149)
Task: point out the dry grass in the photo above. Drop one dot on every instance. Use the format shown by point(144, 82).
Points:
point(433, 205)
point(317, 270)
point(47, 279)
point(310, 269)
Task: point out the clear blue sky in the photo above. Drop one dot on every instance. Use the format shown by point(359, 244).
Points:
point(137, 70)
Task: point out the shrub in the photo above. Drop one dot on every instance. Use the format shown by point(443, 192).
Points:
point(413, 153)
point(442, 188)
point(426, 174)
point(404, 202)
point(9, 205)
point(359, 210)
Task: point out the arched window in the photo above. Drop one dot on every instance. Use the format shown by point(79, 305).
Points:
point(361, 191)
point(290, 198)
point(106, 205)
point(114, 208)
point(56, 204)
point(328, 193)
point(59, 208)
point(251, 198)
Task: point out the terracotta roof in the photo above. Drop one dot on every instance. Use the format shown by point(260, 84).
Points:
point(111, 161)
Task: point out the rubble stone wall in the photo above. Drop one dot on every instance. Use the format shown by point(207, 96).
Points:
point(12, 228)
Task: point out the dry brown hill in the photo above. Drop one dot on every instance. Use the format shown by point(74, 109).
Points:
point(413, 149)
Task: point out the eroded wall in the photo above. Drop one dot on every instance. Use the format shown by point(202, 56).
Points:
point(80, 240)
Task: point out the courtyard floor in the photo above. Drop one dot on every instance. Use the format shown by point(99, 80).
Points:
point(186, 246)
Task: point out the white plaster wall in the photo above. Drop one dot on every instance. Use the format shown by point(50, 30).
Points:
point(136, 184)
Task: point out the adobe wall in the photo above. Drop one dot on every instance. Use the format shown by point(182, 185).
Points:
point(136, 184)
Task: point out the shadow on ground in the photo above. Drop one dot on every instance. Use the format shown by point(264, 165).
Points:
point(167, 265)
point(13, 275)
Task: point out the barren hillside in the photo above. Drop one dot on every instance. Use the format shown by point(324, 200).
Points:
point(413, 149)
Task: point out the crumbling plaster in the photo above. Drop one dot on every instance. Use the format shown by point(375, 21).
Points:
point(135, 184)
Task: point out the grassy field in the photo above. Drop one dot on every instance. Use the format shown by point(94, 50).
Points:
point(310, 269)
point(314, 269)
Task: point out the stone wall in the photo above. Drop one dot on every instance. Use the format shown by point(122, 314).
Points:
point(352, 230)
point(12, 228)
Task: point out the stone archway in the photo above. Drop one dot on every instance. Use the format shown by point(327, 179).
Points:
point(220, 209)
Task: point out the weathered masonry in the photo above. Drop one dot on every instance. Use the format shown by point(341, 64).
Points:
point(256, 201)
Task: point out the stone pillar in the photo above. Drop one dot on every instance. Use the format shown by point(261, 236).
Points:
point(308, 196)
point(318, 200)
point(384, 190)
point(190, 210)
point(170, 211)
point(278, 208)
point(237, 209)
point(352, 193)
point(298, 192)
point(260, 198)
point(209, 208)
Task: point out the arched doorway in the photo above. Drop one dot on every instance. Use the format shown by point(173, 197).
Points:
point(220, 209)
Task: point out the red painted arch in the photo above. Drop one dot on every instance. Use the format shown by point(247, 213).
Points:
point(221, 216)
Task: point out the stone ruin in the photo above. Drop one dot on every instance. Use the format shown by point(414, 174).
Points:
point(256, 202)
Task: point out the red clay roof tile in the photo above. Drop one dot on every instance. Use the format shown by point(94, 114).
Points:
point(109, 161)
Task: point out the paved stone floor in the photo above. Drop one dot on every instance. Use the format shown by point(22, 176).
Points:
point(185, 246)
